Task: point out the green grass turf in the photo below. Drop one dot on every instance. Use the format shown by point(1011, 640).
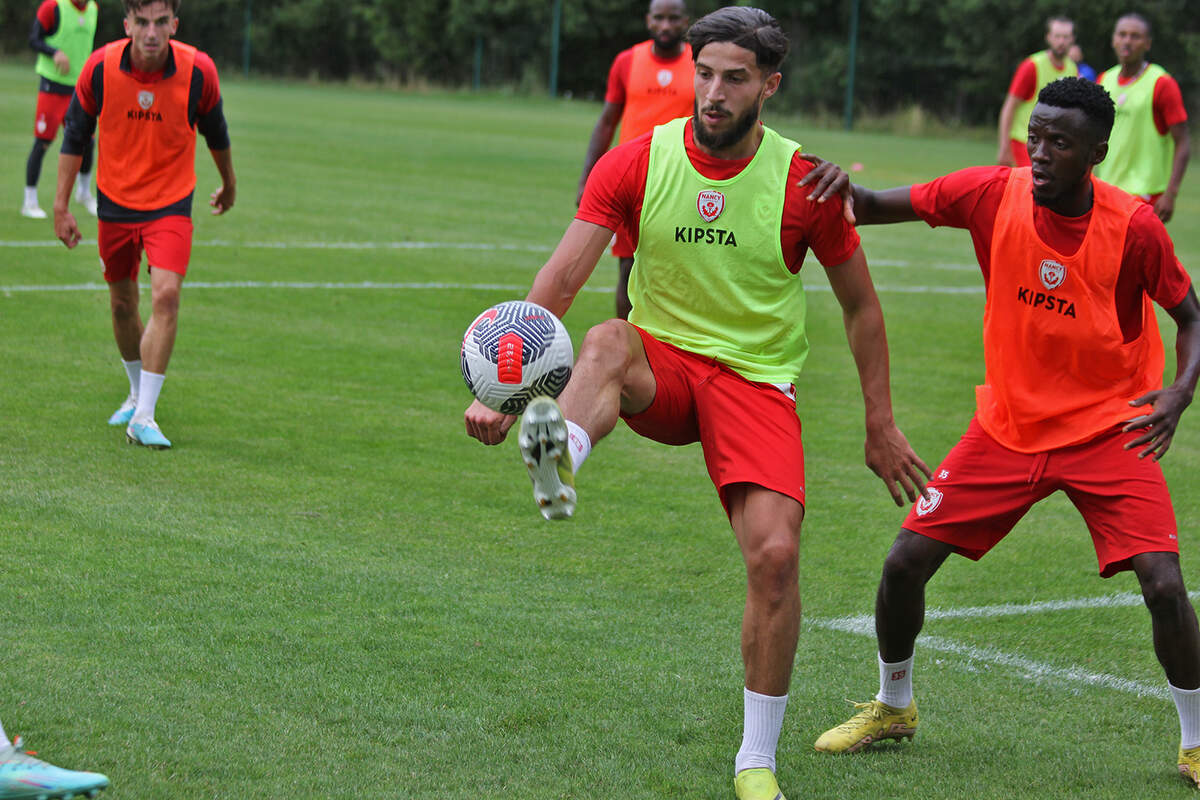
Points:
point(327, 590)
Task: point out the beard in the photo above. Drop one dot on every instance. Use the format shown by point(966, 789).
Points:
point(722, 141)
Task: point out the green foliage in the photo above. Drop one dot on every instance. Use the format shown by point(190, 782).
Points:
point(953, 59)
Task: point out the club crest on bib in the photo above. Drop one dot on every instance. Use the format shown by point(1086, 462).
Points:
point(1052, 273)
point(145, 100)
point(664, 77)
point(710, 204)
point(929, 506)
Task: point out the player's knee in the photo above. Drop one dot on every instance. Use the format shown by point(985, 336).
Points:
point(1164, 592)
point(907, 565)
point(607, 346)
point(166, 302)
point(124, 308)
point(773, 566)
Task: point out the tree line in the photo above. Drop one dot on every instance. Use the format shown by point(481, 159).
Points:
point(952, 59)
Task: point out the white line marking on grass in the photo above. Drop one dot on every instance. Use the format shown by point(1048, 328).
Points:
point(521, 248)
point(414, 286)
point(864, 625)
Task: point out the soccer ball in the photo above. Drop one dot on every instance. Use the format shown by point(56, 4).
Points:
point(513, 352)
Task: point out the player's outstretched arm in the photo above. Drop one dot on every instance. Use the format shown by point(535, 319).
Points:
point(1167, 404)
point(883, 207)
point(888, 452)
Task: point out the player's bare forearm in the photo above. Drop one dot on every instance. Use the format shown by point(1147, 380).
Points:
point(1168, 404)
point(569, 266)
point(887, 451)
point(1007, 112)
point(1165, 207)
point(223, 198)
point(884, 207)
point(65, 226)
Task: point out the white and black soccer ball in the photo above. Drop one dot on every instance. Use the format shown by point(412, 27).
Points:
point(513, 352)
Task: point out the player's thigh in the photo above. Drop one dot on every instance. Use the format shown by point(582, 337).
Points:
point(664, 378)
point(168, 244)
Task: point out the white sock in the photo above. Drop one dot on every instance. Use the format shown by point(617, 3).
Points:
point(895, 683)
point(134, 370)
point(4, 742)
point(83, 183)
point(579, 444)
point(1187, 703)
point(762, 723)
point(148, 388)
point(31, 196)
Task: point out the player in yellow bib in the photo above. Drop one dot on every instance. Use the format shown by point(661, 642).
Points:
point(716, 339)
point(1032, 74)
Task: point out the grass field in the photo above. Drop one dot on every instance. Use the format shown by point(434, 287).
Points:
point(327, 590)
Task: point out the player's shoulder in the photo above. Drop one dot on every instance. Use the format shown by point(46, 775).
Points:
point(1145, 226)
point(47, 9)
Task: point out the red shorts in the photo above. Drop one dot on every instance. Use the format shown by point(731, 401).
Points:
point(1020, 152)
point(749, 431)
point(982, 489)
point(167, 242)
point(51, 108)
point(622, 244)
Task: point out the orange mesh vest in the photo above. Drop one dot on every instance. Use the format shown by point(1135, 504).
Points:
point(147, 148)
point(1058, 369)
point(657, 91)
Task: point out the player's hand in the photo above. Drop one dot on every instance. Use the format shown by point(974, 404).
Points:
point(828, 181)
point(62, 63)
point(222, 199)
point(66, 228)
point(890, 456)
point(1167, 407)
point(489, 427)
point(1164, 207)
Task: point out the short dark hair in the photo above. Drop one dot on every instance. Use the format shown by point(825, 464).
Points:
point(137, 5)
point(750, 28)
point(1059, 18)
point(1090, 98)
point(1139, 18)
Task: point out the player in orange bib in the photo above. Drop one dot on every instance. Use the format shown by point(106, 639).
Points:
point(148, 95)
point(1072, 397)
point(648, 84)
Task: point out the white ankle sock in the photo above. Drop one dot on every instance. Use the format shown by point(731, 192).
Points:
point(134, 370)
point(83, 182)
point(4, 742)
point(1187, 703)
point(148, 389)
point(762, 722)
point(579, 443)
point(895, 683)
point(31, 196)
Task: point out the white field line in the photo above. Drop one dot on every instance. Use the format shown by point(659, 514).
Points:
point(1035, 671)
point(413, 286)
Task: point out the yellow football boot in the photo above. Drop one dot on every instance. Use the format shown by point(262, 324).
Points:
point(873, 722)
point(757, 784)
point(1189, 765)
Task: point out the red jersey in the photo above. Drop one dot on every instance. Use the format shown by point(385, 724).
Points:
point(652, 90)
point(1167, 103)
point(47, 14)
point(616, 188)
point(970, 198)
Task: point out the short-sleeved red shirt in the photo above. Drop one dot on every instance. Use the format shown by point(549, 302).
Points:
point(970, 198)
point(1167, 102)
point(616, 188)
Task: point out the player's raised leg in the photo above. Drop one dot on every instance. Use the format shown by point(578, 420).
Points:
point(611, 375)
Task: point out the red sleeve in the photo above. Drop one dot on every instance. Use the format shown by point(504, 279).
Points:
point(616, 187)
point(1024, 81)
point(618, 78)
point(1168, 104)
point(47, 14)
point(83, 86)
point(1150, 259)
point(211, 92)
point(968, 198)
point(809, 224)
